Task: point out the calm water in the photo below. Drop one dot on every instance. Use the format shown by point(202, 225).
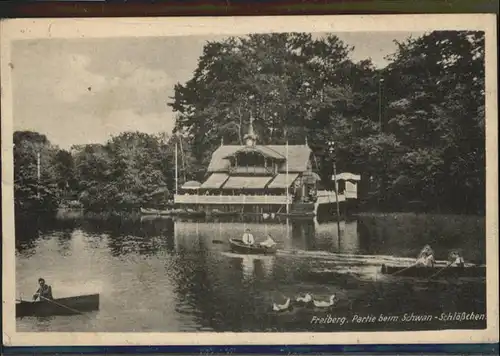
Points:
point(164, 275)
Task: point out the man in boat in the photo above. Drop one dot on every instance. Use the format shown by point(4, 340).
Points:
point(426, 257)
point(44, 291)
point(456, 259)
point(269, 242)
point(248, 238)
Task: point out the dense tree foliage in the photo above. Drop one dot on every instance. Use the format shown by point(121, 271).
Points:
point(414, 130)
point(131, 170)
point(35, 175)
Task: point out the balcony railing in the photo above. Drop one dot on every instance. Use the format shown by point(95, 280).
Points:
point(327, 197)
point(324, 197)
point(251, 170)
point(230, 199)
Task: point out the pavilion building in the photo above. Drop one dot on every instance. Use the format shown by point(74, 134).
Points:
point(253, 178)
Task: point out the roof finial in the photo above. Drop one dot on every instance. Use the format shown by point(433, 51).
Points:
point(250, 137)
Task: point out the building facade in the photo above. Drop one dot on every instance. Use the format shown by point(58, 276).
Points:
point(261, 179)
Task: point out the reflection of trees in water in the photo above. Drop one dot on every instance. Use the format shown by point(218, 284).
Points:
point(141, 237)
point(218, 287)
point(29, 230)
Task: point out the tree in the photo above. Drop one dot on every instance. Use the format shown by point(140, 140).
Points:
point(292, 85)
point(435, 89)
point(35, 180)
point(125, 173)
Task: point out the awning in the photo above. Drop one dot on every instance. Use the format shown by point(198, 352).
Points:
point(191, 185)
point(281, 181)
point(214, 181)
point(348, 176)
point(246, 182)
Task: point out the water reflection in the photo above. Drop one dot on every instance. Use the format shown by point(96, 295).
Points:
point(166, 275)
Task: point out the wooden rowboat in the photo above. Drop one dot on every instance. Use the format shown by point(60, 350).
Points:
point(146, 211)
point(216, 213)
point(61, 306)
point(237, 246)
point(441, 271)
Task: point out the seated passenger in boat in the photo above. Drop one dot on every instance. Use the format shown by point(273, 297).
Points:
point(426, 257)
point(456, 260)
point(269, 242)
point(44, 291)
point(248, 238)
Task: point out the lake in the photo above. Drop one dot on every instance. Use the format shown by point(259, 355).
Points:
point(167, 276)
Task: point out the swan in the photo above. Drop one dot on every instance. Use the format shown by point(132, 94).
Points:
point(281, 307)
point(323, 304)
point(305, 299)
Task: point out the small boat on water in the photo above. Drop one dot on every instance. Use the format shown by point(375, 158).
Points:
point(218, 213)
point(146, 211)
point(188, 213)
point(301, 215)
point(238, 246)
point(173, 212)
point(61, 306)
point(439, 271)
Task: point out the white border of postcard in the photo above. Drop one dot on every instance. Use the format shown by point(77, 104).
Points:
point(141, 27)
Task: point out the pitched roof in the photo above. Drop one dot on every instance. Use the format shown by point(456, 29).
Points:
point(298, 156)
point(265, 150)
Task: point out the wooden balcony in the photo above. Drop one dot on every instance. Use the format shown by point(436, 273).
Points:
point(251, 170)
point(328, 197)
point(230, 199)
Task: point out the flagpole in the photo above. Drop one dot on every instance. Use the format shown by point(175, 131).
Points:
point(176, 170)
point(286, 177)
point(331, 149)
point(38, 173)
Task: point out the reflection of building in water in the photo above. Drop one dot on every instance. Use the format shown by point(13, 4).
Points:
point(303, 234)
point(349, 242)
point(256, 266)
point(327, 236)
point(264, 266)
point(247, 266)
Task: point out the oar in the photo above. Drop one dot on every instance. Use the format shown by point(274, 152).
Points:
point(404, 269)
point(63, 306)
point(441, 270)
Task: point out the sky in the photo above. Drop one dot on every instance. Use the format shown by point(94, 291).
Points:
point(80, 91)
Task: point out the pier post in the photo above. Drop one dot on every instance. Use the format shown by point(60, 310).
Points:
point(331, 149)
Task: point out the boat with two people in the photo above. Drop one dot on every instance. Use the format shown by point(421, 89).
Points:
point(248, 245)
point(425, 266)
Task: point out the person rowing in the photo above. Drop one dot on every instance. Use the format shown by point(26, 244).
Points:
point(456, 259)
point(44, 291)
point(248, 238)
point(426, 257)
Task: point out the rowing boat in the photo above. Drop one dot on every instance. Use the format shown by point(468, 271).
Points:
point(238, 246)
point(441, 271)
point(61, 306)
point(216, 213)
point(146, 211)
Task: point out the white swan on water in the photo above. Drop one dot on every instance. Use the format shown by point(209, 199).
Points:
point(305, 299)
point(281, 307)
point(323, 304)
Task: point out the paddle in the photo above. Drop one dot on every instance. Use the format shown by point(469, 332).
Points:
point(404, 269)
point(62, 306)
point(441, 270)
